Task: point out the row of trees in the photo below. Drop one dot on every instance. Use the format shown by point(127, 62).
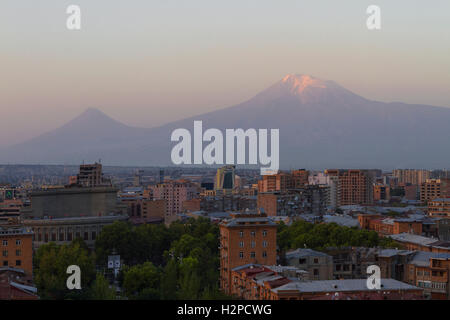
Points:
point(302, 234)
point(176, 262)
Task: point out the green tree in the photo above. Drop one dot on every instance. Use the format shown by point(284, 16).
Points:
point(169, 282)
point(189, 279)
point(142, 282)
point(100, 289)
point(51, 262)
point(118, 237)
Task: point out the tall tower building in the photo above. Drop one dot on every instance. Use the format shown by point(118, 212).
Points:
point(225, 179)
point(244, 239)
point(174, 193)
point(413, 176)
point(90, 175)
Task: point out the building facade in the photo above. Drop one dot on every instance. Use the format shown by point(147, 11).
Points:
point(355, 186)
point(246, 238)
point(16, 247)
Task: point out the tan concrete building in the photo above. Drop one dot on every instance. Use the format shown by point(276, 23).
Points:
point(430, 189)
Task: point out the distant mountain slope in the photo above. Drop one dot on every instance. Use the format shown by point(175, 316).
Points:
point(321, 125)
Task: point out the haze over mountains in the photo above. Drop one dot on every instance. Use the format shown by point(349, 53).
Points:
point(322, 125)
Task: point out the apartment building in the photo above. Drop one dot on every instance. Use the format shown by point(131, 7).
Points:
point(386, 226)
point(16, 247)
point(310, 199)
point(174, 193)
point(439, 208)
point(319, 265)
point(354, 186)
point(283, 181)
point(412, 176)
point(246, 238)
point(381, 192)
point(430, 271)
point(430, 190)
point(420, 243)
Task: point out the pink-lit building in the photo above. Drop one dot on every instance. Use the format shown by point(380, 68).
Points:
point(175, 193)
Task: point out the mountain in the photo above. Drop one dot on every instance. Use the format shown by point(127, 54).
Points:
point(321, 125)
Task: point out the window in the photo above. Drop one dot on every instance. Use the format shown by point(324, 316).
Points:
point(5, 242)
point(18, 253)
point(18, 242)
point(241, 255)
point(264, 233)
point(5, 253)
point(253, 233)
point(5, 263)
point(241, 234)
point(316, 260)
point(241, 244)
point(264, 244)
point(18, 262)
point(252, 254)
point(316, 272)
point(301, 261)
point(264, 254)
point(253, 244)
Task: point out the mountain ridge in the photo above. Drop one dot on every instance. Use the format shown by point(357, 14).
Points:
point(321, 125)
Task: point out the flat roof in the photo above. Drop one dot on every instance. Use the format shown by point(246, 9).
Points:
point(342, 285)
point(413, 238)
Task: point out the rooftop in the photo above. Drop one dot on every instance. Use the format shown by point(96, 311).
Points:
point(413, 238)
point(298, 253)
point(422, 258)
point(342, 285)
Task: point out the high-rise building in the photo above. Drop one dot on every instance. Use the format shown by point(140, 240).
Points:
point(244, 239)
point(430, 189)
point(90, 175)
point(299, 178)
point(225, 180)
point(412, 176)
point(283, 181)
point(175, 193)
point(354, 186)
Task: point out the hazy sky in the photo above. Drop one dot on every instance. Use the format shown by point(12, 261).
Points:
point(149, 62)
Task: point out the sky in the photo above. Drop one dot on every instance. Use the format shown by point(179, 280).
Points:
point(149, 62)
